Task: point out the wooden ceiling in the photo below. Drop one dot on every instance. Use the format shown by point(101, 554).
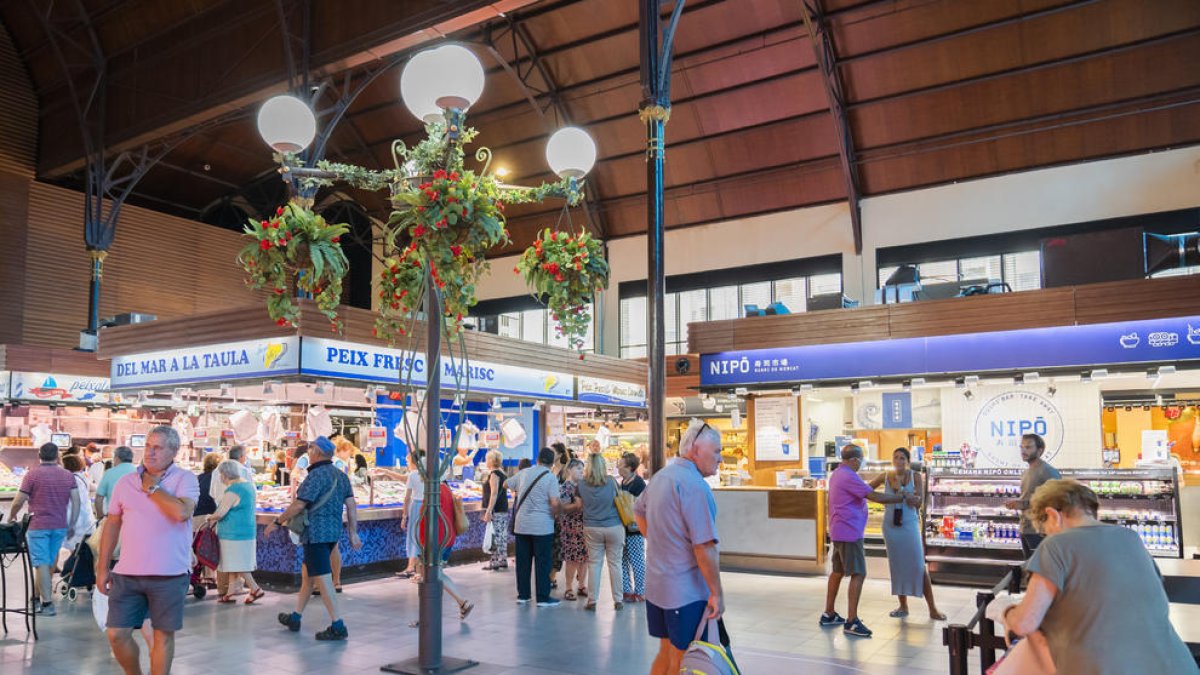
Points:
point(935, 91)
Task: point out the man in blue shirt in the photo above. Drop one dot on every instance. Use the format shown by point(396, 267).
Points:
point(678, 515)
point(323, 493)
point(122, 464)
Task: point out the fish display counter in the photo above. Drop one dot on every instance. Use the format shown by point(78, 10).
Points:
point(380, 511)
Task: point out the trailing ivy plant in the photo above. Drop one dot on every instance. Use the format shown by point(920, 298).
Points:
point(296, 246)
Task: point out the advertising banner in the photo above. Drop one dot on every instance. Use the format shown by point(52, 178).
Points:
point(595, 390)
point(55, 388)
point(988, 424)
point(211, 363)
point(776, 429)
point(372, 363)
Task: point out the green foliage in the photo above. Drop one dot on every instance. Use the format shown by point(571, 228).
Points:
point(567, 271)
point(296, 246)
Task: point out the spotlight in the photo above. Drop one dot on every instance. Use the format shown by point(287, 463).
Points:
point(268, 388)
point(319, 389)
point(225, 388)
point(971, 380)
point(1051, 390)
point(906, 385)
point(968, 394)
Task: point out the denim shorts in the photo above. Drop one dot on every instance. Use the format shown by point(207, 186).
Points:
point(44, 545)
point(134, 598)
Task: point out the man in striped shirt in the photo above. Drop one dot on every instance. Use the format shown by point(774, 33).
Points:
point(54, 502)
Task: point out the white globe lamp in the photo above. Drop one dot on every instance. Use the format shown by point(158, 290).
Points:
point(418, 88)
point(571, 152)
point(287, 124)
point(449, 76)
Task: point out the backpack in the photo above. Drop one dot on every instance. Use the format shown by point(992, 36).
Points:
point(707, 658)
point(447, 530)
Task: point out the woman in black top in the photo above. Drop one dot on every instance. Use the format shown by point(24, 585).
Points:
point(205, 505)
point(633, 560)
point(495, 500)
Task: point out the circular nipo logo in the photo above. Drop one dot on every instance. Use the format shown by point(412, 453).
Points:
point(1004, 418)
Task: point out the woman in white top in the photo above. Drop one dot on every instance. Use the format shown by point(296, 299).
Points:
point(85, 523)
point(414, 497)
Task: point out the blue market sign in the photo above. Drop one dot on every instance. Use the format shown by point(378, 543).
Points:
point(1129, 342)
point(370, 363)
point(228, 361)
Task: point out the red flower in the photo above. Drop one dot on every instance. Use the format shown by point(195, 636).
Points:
point(440, 224)
point(440, 174)
point(424, 186)
point(516, 270)
point(456, 251)
point(401, 331)
point(559, 278)
point(282, 322)
point(553, 236)
point(419, 231)
point(453, 175)
point(336, 239)
point(420, 209)
point(264, 244)
point(441, 284)
point(403, 293)
point(279, 211)
point(581, 356)
point(395, 305)
point(279, 291)
point(264, 223)
point(375, 332)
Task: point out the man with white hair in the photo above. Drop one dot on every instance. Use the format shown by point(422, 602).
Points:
point(678, 515)
point(150, 512)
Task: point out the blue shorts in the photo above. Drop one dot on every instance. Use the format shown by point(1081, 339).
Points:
point(317, 558)
point(44, 546)
point(678, 625)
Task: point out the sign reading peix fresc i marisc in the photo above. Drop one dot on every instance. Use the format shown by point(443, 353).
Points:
point(354, 361)
point(1130, 342)
point(320, 357)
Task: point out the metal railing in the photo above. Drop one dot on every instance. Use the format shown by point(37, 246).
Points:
point(960, 639)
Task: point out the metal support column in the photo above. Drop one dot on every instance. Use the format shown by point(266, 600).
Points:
point(655, 111)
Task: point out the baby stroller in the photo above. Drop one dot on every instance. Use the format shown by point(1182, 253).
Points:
point(206, 550)
point(79, 571)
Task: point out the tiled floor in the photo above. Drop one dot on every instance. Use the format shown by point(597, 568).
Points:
point(772, 620)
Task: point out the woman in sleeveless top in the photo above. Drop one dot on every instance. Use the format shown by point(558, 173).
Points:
point(902, 535)
point(495, 505)
point(236, 530)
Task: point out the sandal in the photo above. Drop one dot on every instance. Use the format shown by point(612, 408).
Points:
point(255, 595)
point(591, 607)
point(569, 595)
point(583, 592)
point(226, 599)
point(464, 610)
point(898, 613)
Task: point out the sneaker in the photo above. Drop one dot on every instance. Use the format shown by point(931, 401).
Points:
point(618, 606)
point(292, 623)
point(552, 602)
point(857, 628)
point(522, 601)
point(47, 609)
point(333, 633)
point(829, 620)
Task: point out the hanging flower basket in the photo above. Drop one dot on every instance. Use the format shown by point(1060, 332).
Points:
point(295, 247)
point(450, 221)
point(566, 271)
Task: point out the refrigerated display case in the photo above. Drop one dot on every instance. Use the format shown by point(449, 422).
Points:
point(970, 536)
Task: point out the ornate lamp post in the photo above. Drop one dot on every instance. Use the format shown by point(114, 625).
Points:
point(445, 219)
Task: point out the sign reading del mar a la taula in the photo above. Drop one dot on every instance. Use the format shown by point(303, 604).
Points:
point(226, 361)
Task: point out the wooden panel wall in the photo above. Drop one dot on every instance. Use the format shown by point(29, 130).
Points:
point(160, 264)
point(250, 322)
point(1096, 303)
point(48, 360)
point(18, 115)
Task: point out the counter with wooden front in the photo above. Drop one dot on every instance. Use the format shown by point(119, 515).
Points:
point(771, 529)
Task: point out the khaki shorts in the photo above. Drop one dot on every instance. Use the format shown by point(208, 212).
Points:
point(849, 557)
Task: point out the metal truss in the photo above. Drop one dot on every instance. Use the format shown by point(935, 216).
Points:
point(529, 69)
point(822, 42)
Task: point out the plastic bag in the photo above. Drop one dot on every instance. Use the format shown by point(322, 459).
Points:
point(1030, 656)
point(489, 538)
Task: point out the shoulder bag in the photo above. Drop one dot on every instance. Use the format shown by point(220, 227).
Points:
point(298, 525)
point(624, 502)
point(512, 521)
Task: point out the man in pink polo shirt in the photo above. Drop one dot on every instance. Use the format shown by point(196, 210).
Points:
point(848, 497)
point(150, 512)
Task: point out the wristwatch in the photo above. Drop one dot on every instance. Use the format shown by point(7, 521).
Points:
point(154, 488)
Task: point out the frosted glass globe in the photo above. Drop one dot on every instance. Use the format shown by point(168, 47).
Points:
point(287, 124)
point(418, 89)
point(571, 152)
point(449, 76)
